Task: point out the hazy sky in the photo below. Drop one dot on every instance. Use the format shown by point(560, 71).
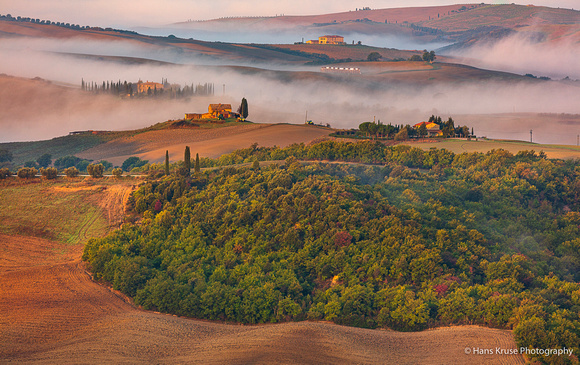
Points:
point(128, 13)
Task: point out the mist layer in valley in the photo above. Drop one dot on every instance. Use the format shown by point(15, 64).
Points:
point(522, 54)
point(38, 110)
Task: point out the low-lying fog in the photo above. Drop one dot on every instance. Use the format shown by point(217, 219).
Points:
point(282, 36)
point(40, 112)
point(522, 55)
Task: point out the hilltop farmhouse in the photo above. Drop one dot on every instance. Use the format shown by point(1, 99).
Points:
point(146, 87)
point(327, 39)
point(219, 111)
point(433, 129)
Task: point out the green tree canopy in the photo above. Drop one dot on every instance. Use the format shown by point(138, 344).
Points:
point(429, 56)
point(44, 160)
point(5, 155)
point(374, 56)
point(133, 162)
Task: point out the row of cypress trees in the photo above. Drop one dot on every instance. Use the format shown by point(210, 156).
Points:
point(187, 162)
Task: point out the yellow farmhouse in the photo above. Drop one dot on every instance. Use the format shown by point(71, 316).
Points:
point(327, 39)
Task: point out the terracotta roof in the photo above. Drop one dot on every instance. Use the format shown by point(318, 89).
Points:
point(220, 106)
point(431, 126)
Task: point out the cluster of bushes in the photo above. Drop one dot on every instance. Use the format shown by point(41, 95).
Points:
point(133, 163)
point(96, 170)
point(27, 173)
point(49, 172)
point(5, 173)
point(43, 161)
point(71, 166)
point(71, 172)
point(474, 238)
point(362, 152)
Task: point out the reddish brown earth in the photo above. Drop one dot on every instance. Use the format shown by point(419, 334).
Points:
point(210, 142)
point(55, 314)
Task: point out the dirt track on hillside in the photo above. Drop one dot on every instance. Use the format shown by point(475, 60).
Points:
point(53, 312)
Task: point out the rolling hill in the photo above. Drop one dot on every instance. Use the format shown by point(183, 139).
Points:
point(454, 23)
point(183, 49)
point(55, 313)
point(462, 25)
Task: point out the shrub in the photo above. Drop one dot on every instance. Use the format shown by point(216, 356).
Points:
point(96, 171)
point(44, 160)
point(72, 172)
point(106, 164)
point(132, 162)
point(49, 173)
point(27, 172)
point(402, 135)
point(66, 162)
point(183, 171)
point(374, 56)
point(5, 173)
point(117, 172)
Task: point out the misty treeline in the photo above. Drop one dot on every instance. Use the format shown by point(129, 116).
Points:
point(149, 89)
point(9, 17)
point(404, 132)
point(472, 238)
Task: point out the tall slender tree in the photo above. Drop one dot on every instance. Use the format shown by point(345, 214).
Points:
point(166, 162)
point(197, 169)
point(187, 160)
point(243, 109)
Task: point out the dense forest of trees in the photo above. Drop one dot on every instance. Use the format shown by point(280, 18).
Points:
point(422, 239)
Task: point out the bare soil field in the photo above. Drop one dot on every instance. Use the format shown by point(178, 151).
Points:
point(56, 314)
point(207, 142)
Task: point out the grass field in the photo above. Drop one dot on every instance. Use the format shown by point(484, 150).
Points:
point(62, 211)
point(459, 146)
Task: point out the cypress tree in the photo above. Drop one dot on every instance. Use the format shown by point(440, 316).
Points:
point(166, 162)
point(197, 163)
point(243, 109)
point(187, 160)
